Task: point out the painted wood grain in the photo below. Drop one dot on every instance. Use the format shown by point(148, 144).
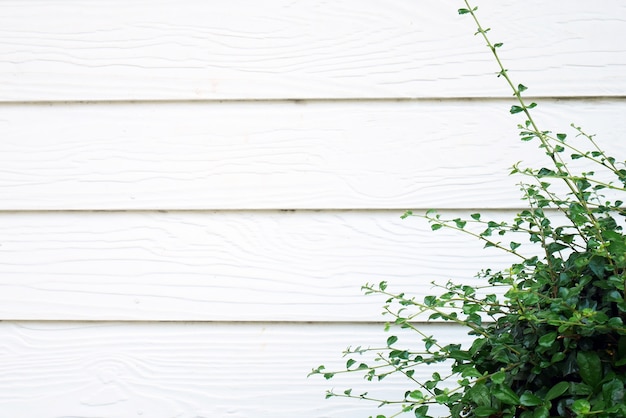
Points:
point(224, 266)
point(185, 370)
point(194, 49)
point(283, 155)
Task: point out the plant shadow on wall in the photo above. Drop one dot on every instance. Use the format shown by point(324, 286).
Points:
point(553, 344)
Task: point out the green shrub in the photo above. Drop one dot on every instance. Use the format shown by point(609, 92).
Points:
point(553, 344)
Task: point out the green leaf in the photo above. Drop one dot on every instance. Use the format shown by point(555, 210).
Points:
point(475, 216)
point(548, 339)
point(581, 407)
point(416, 394)
point(541, 412)
point(484, 411)
point(442, 398)
point(556, 391)
point(498, 44)
point(521, 88)
point(590, 367)
point(613, 392)
point(506, 395)
point(460, 223)
point(430, 300)
point(435, 227)
point(561, 137)
point(391, 340)
point(596, 265)
point(528, 399)
point(421, 412)
point(464, 11)
point(514, 245)
point(350, 363)
point(498, 377)
point(516, 109)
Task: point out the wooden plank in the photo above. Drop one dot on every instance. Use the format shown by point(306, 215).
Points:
point(283, 155)
point(231, 266)
point(185, 370)
point(242, 49)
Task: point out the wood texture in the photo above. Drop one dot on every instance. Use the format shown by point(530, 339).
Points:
point(194, 49)
point(323, 155)
point(184, 370)
point(229, 266)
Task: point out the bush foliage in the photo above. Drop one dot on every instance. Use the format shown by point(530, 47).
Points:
point(553, 343)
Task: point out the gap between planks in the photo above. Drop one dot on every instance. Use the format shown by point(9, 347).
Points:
point(300, 100)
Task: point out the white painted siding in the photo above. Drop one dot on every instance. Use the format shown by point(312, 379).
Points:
point(193, 192)
point(321, 155)
point(244, 49)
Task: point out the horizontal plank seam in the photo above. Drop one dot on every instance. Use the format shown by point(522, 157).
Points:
point(400, 211)
point(312, 100)
point(223, 322)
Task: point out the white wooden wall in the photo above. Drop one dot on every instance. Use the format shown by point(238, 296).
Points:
point(194, 191)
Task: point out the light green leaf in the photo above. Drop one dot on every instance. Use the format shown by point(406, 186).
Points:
point(581, 406)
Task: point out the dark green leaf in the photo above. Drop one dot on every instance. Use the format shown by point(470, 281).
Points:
point(363, 366)
point(541, 412)
point(521, 88)
point(556, 391)
point(516, 109)
point(596, 265)
point(484, 411)
point(421, 412)
point(391, 340)
point(464, 11)
point(528, 399)
point(590, 367)
point(613, 392)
